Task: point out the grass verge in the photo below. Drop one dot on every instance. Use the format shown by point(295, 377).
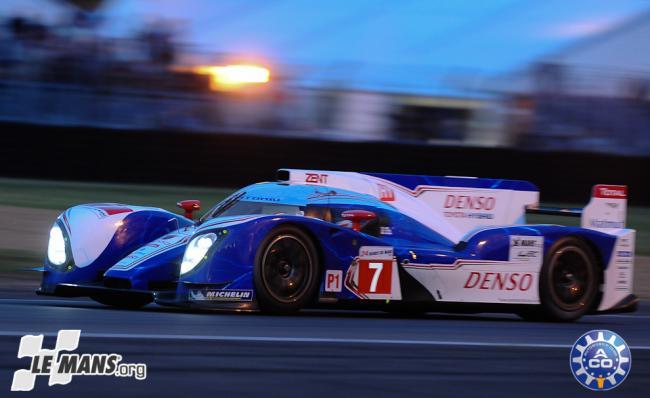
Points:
point(60, 195)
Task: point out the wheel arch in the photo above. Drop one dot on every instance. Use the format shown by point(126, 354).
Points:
point(266, 300)
point(312, 235)
point(594, 251)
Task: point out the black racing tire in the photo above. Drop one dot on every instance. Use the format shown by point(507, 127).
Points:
point(287, 271)
point(569, 282)
point(129, 303)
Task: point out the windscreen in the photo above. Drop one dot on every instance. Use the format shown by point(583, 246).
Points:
point(245, 207)
point(235, 205)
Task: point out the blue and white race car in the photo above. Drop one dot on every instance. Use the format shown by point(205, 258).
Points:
point(346, 239)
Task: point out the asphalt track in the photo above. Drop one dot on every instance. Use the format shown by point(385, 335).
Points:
point(318, 353)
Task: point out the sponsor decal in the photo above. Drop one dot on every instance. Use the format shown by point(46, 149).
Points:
point(526, 249)
point(60, 364)
point(386, 194)
point(600, 360)
point(220, 295)
point(477, 216)
point(261, 199)
point(623, 264)
point(376, 252)
point(385, 231)
point(610, 191)
point(466, 202)
point(499, 281)
point(465, 206)
point(595, 223)
point(315, 178)
point(333, 280)
point(373, 274)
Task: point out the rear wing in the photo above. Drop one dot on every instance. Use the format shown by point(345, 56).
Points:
point(606, 211)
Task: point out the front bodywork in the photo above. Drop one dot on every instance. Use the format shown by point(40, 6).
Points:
point(102, 240)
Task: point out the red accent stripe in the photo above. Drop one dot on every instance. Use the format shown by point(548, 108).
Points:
point(457, 264)
point(111, 210)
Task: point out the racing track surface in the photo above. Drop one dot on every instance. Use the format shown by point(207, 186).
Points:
point(318, 353)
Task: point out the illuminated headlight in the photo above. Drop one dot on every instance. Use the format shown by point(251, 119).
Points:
point(56, 246)
point(196, 250)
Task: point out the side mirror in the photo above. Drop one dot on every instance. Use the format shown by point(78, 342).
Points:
point(189, 206)
point(357, 217)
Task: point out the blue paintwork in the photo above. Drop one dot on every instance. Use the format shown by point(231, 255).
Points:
point(229, 263)
point(413, 181)
point(137, 229)
point(160, 268)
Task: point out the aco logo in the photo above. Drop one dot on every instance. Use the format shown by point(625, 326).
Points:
point(600, 360)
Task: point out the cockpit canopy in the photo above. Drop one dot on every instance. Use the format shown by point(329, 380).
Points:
point(326, 204)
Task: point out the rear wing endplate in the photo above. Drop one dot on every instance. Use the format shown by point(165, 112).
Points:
point(607, 209)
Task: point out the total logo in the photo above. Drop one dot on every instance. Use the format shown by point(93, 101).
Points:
point(600, 360)
point(610, 191)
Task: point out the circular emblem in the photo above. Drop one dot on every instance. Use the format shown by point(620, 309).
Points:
point(600, 360)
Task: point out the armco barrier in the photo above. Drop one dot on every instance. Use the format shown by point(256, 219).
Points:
point(168, 157)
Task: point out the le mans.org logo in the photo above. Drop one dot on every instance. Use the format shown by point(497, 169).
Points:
point(600, 360)
point(60, 364)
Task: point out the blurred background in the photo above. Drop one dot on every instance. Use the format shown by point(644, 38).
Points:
point(550, 75)
point(149, 102)
point(153, 101)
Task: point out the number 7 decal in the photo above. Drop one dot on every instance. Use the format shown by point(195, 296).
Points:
point(375, 276)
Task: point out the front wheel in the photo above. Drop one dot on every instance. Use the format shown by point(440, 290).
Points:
point(569, 281)
point(287, 271)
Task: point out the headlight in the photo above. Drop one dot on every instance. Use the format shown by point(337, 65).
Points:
point(196, 250)
point(56, 246)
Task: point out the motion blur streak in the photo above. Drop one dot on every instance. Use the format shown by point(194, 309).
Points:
point(221, 77)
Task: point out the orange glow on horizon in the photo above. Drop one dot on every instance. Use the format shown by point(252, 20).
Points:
point(230, 76)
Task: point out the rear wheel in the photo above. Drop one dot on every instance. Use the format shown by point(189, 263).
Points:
point(569, 281)
point(130, 303)
point(287, 272)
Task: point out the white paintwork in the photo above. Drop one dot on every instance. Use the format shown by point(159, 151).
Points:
point(619, 275)
point(427, 204)
point(91, 229)
point(606, 212)
point(486, 281)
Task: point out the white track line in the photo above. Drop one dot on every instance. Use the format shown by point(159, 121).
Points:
point(269, 339)
point(622, 316)
point(56, 300)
